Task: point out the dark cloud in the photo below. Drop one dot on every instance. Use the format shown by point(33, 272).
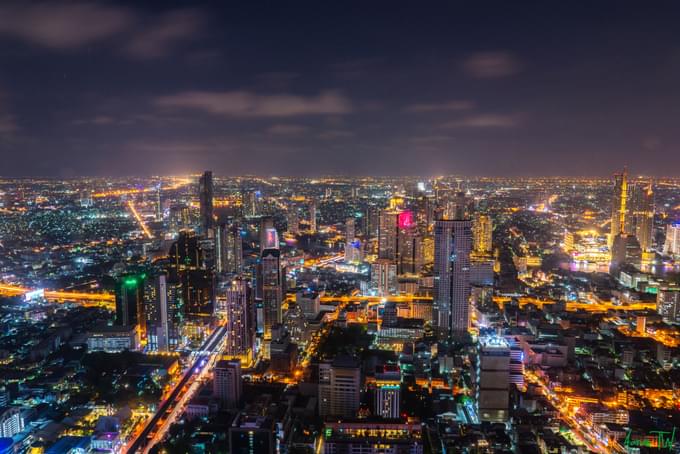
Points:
point(287, 129)
point(485, 121)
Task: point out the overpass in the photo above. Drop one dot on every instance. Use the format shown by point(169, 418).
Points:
point(104, 299)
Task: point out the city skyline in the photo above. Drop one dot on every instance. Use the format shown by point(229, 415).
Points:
point(486, 89)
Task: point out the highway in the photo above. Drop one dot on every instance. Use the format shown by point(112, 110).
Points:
point(156, 426)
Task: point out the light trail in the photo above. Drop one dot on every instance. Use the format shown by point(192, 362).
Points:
point(139, 219)
point(106, 300)
point(156, 427)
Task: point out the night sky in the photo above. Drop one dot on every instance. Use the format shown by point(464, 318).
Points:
point(353, 88)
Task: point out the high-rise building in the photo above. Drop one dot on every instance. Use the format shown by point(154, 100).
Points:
point(312, 216)
point(293, 220)
point(227, 382)
point(642, 214)
point(409, 244)
point(619, 205)
point(384, 277)
point(159, 202)
point(388, 230)
point(387, 391)
point(249, 200)
point(668, 304)
point(672, 244)
point(625, 251)
point(452, 244)
point(493, 374)
point(240, 320)
point(130, 301)
point(268, 234)
point(339, 387)
point(353, 252)
point(205, 196)
point(162, 307)
point(179, 217)
point(11, 422)
point(271, 282)
point(482, 230)
point(197, 282)
point(229, 248)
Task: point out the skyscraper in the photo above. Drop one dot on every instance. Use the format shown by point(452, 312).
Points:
point(293, 220)
point(672, 244)
point(227, 382)
point(619, 205)
point(642, 206)
point(339, 387)
point(240, 320)
point(493, 387)
point(409, 257)
point(452, 244)
point(130, 301)
point(229, 248)
point(384, 277)
point(388, 231)
point(271, 282)
point(353, 251)
point(312, 216)
point(482, 230)
point(159, 203)
point(162, 313)
point(267, 240)
point(205, 196)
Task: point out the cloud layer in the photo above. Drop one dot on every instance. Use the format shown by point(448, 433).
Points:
point(491, 65)
point(248, 104)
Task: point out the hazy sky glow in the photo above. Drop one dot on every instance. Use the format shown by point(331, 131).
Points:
point(293, 88)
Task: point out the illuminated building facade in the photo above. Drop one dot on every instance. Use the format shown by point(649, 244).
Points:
point(271, 282)
point(205, 196)
point(452, 244)
point(672, 244)
point(240, 320)
point(409, 244)
point(668, 304)
point(339, 387)
point(312, 217)
point(384, 277)
point(229, 248)
point(227, 382)
point(482, 230)
point(493, 374)
point(388, 230)
point(162, 298)
point(130, 301)
point(387, 391)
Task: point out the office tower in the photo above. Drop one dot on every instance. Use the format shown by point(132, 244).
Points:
point(619, 208)
point(293, 220)
point(271, 282)
point(482, 230)
point(205, 196)
point(388, 230)
point(268, 240)
point(159, 203)
point(353, 251)
point(384, 277)
point(493, 389)
point(625, 251)
point(312, 216)
point(390, 315)
point(642, 214)
point(668, 304)
point(227, 382)
point(180, 217)
point(387, 391)
point(234, 249)
point(672, 244)
point(197, 283)
point(459, 206)
point(452, 245)
point(229, 248)
point(409, 244)
point(130, 301)
point(240, 320)
point(161, 313)
point(249, 201)
point(339, 387)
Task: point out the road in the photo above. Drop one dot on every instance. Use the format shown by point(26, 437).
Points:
point(171, 408)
